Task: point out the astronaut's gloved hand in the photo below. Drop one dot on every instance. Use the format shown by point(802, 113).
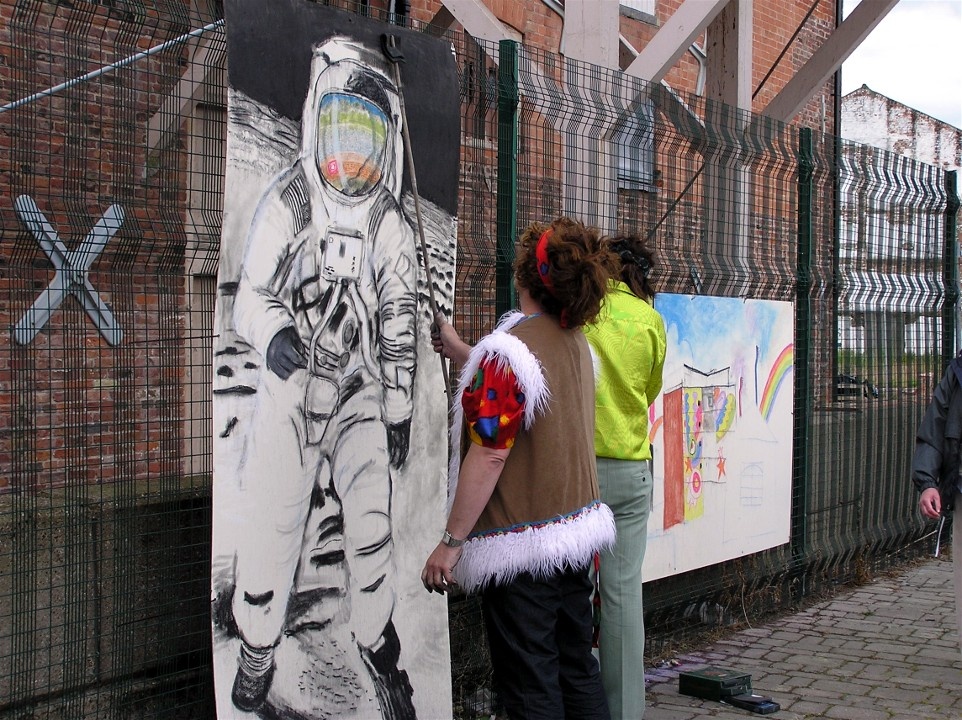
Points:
point(398, 442)
point(286, 353)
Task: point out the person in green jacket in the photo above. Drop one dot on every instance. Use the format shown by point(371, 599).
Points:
point(628, 340)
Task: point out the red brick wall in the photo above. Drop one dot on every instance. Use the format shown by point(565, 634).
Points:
point(73, 409)
point(72, 406)
point(774, 26)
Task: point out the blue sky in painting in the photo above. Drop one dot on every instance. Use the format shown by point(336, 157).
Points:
point(706, 320)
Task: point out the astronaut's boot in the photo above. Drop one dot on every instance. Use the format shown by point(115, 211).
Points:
point(255, 671)
point(391, 684)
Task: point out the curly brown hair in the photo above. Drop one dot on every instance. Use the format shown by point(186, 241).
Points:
point(637, 262)
point(580, 266)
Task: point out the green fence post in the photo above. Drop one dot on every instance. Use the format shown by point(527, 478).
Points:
point(950, 269)
point(803, 342)
point(507, 218)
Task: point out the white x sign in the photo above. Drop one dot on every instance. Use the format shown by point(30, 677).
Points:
point(71, 277)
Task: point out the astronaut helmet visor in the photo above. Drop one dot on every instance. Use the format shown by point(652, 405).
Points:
point(351, 140)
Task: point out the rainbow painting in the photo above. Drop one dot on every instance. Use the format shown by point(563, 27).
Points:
point(784, 364)
point(721, 447)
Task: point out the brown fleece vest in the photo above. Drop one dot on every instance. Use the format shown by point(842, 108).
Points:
point(550, 470)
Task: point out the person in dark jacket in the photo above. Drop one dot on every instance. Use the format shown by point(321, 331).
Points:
point(936, 465)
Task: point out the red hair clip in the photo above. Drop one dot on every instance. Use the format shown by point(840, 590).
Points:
point(541, 255)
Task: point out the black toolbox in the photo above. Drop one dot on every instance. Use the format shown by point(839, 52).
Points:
point(714, 683)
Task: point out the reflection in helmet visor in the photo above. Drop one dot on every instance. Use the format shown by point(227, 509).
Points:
point(351, 135)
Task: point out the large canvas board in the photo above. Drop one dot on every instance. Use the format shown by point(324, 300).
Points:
point(721, 432)
point(329, 482)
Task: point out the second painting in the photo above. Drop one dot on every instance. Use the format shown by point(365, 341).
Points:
point(721, 432)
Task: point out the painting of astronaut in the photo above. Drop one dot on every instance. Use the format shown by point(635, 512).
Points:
point(721, 432)
point(329, 482)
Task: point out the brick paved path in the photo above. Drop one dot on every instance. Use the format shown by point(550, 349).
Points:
point(885, 651)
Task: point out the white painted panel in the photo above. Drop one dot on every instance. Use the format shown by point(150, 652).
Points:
point(643, 6)
point(721, 432)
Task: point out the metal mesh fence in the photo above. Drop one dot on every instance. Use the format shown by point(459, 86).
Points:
point(113, 128)
point(739, 206)
point(109, 222)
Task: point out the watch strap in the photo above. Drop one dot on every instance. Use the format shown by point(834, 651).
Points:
point(451, 541)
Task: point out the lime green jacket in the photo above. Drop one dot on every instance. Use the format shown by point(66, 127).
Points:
point(628, 340)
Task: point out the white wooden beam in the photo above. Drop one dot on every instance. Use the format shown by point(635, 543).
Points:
point(591, 31)
point(479, 21)
point(730, 55)
point(682, 117)
point(828, 58)
point(672, 41)
point(441, 22)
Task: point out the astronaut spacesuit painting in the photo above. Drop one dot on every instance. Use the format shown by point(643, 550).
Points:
point(328, 311)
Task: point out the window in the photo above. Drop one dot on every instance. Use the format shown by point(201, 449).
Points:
point(634, 145)
point(639, 9)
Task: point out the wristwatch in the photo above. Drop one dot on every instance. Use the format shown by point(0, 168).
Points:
point(451, 541)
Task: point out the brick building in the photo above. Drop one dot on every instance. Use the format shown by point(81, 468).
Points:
point(870, 118)
point(150, 136)
point(890, 247)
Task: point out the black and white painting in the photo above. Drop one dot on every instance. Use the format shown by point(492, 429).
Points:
point(329, 480)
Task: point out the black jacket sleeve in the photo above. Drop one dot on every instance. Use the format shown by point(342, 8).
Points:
point(936, 460)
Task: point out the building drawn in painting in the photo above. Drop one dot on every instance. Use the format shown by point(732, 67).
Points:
point(702, 406)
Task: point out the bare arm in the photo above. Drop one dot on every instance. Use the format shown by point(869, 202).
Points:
point(479, 474)
point(447, 342)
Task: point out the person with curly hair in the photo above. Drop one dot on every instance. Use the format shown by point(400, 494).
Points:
point(525, 518)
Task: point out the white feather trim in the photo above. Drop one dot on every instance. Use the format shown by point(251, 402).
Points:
point(499, 557)
point(506, 351)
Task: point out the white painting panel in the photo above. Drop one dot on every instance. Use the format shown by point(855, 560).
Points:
point(721, 432)
point(329, 482)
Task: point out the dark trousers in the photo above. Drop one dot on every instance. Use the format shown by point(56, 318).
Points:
point(539, 632)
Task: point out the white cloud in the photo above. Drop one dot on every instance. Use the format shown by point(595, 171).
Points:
point(913, 56)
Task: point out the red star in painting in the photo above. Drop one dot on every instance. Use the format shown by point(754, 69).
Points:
point(721, 467)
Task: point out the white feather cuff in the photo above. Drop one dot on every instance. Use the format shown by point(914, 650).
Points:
point(541, 549)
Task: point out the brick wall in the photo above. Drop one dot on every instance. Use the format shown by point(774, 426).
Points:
point(75, 408)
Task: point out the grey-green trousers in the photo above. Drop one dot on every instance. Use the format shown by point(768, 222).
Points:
point(626, 487)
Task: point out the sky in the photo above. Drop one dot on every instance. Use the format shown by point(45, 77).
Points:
point(913, 56)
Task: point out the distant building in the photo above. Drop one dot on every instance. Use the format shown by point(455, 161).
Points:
point(891, 235)
point(871, 118)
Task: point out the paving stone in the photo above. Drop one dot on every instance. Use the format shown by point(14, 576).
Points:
point(887, 650)
point(851, 713)
point(807, 707)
